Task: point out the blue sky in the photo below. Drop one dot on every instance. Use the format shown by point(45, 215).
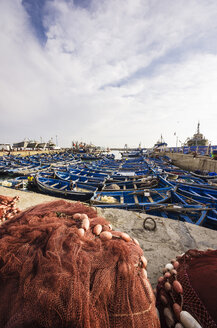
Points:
point(110, 72)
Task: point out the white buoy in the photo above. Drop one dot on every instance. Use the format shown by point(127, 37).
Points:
point(169, 266)
point(188, 321)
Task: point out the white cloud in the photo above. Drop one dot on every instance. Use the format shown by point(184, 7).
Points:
point(117, 72)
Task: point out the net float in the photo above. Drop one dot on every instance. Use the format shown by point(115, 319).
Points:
point(163, 299)
point(105, 235)
point(84, 216)
point(85, 224)
point(125, 236)
point(160, 279)
point(188, 321)
point(168, 317)
point(169, 266)
point(81, 232)
point(144, 261)
point(97, 229)
point(173, 272)
point(144, 273)
point(177, 310)
point(77, 216)
point(167, 286)
point(177, 287)
point(176, 264)
point(167, 275)
point(105, 228)
point(179, 325)
point(136, 241)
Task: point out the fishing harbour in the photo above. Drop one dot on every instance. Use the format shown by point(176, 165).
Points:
point(147, 184)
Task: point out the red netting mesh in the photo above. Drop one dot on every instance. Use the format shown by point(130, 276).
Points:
point(52, 277)
point(197, 273)
point(8, 207)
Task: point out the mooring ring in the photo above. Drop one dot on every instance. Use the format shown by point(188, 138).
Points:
point(147, 227)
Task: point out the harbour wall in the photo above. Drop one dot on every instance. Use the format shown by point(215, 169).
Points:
point(190, 163)
point(28, 152)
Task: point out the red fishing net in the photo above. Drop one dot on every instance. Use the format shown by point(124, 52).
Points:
point(8, 207)
point(191, 287)
point(62, 268)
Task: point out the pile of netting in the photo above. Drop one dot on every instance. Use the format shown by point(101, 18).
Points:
point(61, 265)
point(8, 207)
point(187, 293)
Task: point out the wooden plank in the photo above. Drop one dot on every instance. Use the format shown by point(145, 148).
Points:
point(55, 184)
point(135, 186)
point(150, 199)
point(136, 199)
point(124, 187)
point(122, 199)
point(63, 187)
point(206, 193)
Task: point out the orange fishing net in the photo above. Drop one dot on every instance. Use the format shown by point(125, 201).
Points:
point(62, 266)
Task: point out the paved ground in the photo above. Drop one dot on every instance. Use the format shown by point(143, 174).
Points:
point(171, 238)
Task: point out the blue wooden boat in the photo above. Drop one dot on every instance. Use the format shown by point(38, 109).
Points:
point(131, 199)
point(132, 154)
point(187, 178)
point(65, 189)
point(205, 175)
point(195, 214)
point(16, 183)
point(77, 178)
point(89, 173)
point(137, 184)
point(204, 194)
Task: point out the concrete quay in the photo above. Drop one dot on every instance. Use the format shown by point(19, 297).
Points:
point(190, 163)
point(169, 239)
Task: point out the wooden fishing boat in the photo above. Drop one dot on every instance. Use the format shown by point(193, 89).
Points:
point(205, 175)
point(130, 199)
point(89, 173)
point(204, 194)
point(77, 178)
point(186, 209)
point(195, 214)
point(65, 189)
point(16, 183)
point(188, 178)
point(139, 184)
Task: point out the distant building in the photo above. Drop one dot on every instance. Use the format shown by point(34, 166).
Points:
point(6, 147)
point(32, 145)
point(198, 139)
point(20, 145)
point(41, 145)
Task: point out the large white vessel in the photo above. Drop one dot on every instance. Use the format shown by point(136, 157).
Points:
point(198, 139)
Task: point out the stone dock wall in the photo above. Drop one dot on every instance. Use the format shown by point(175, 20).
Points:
point(190, 163)
point(169, 239)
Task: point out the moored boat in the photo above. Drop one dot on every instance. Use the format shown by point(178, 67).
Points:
point(65, 189)
point(131, 199)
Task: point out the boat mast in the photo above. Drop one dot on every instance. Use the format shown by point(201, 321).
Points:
point(198, 128)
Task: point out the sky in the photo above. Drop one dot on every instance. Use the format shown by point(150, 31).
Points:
point(109, 72)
